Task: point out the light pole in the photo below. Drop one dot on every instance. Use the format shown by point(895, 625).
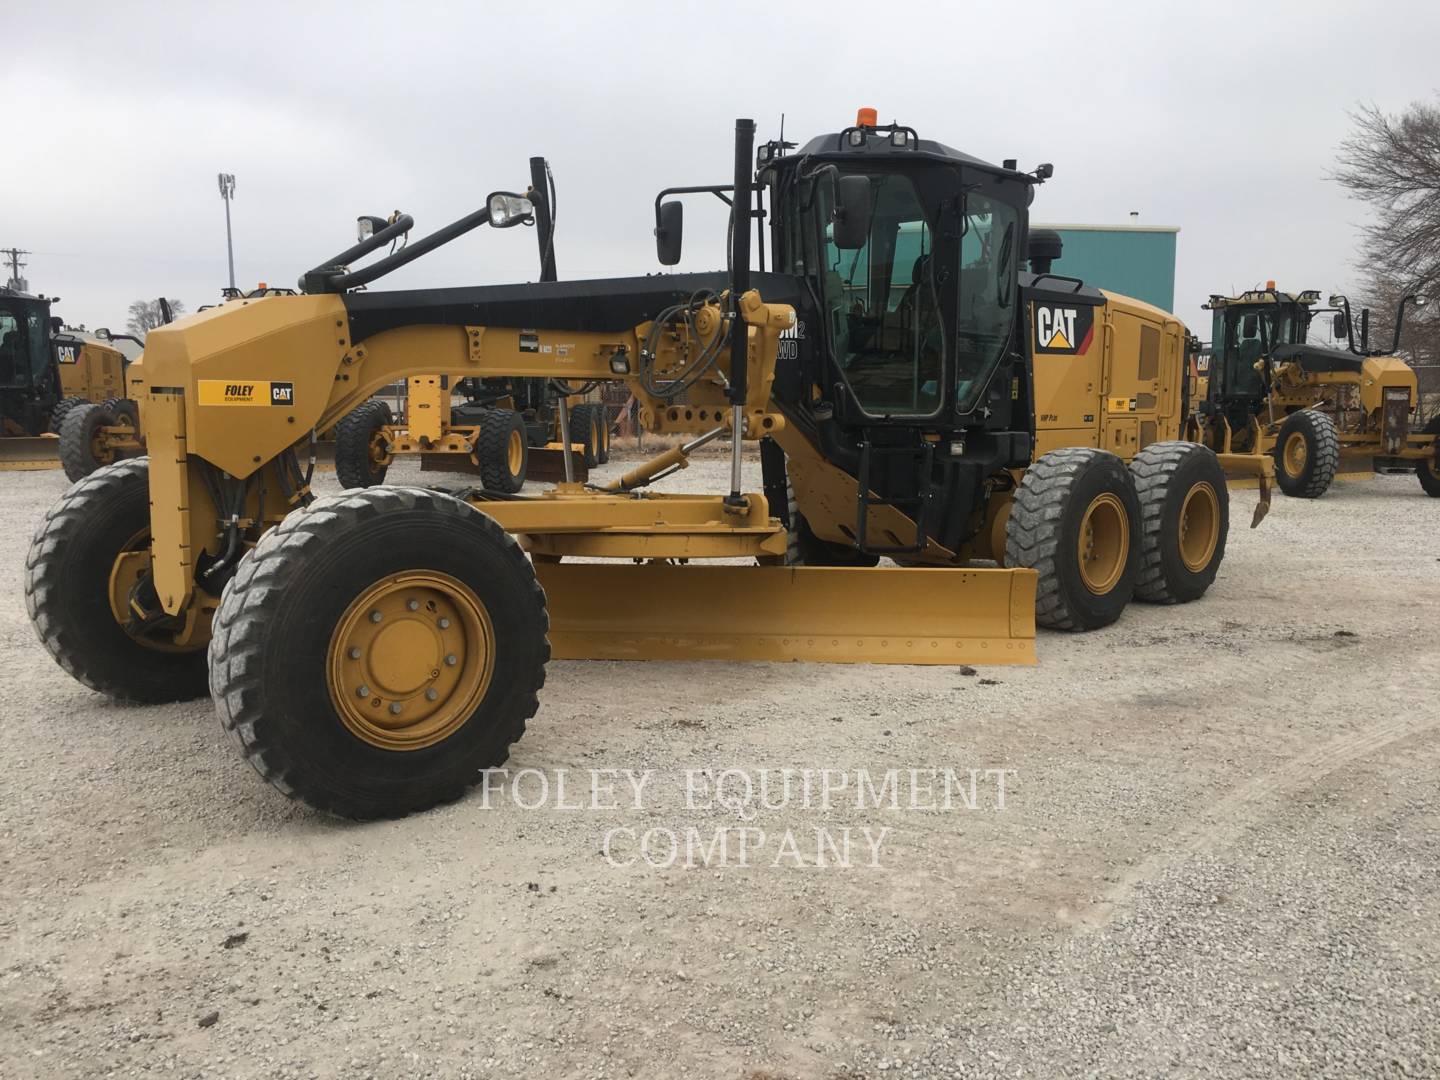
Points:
point(227, 192)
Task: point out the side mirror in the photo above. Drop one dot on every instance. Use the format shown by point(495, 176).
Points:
point(56, 324)
point(669, 231)
point(852, 212)
point(507, 209)
point(103, 333)
point(1249, 326)
point(1340, 326)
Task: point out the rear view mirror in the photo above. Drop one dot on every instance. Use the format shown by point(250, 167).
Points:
point(852, 212)
point(1249, 326)
point(669, 231)
point(1340, 326)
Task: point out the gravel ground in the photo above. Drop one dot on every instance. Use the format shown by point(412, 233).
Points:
point(1217, 856)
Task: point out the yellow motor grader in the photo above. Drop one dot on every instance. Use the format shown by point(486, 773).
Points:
point(1315, 409)
point(1007, 438)
point(62, 391)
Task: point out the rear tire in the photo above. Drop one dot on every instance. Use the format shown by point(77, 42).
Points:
point(67, 591)
point(1184, 521)
point(358, 462)
point(503, 450)
point(1076, 520)
point(82, 449)
point(125, 407)
point(1425, 470)
point(61, 409)
point(1307, 454)
point(280, 637)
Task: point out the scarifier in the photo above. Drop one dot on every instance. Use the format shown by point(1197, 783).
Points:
point(915, 394)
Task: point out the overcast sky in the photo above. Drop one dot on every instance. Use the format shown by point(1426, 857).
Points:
point(1222, 119)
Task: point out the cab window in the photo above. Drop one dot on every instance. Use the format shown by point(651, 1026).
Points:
point(989, 235)
point(882, 305)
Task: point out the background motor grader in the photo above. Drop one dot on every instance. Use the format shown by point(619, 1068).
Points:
point(62, 392)
point(1316, 410)
point(504, 430)
point(916, 396)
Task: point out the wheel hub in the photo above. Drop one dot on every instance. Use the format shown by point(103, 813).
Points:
point(410, 660)
point(1104, 545)
point(1199, 527)
point(1296, 453)
point(514, 452)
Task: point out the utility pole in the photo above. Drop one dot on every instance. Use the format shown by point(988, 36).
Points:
point(12, 256)
point(227, 192)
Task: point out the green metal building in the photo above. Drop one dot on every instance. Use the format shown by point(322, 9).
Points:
point(1133, 260)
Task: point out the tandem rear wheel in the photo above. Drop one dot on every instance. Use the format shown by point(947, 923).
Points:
point(1100, 534)
point(376, 652)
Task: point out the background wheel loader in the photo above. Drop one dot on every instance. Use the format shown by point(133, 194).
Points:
point(62, 392)
point(1008, 437)
point(1316, 410)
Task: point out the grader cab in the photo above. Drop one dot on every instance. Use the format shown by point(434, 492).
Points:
point(372, 653)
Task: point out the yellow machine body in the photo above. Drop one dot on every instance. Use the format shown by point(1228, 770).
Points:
point(241, 384)
point(91, 370)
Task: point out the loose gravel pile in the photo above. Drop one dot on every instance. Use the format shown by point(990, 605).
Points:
point(1218, 855)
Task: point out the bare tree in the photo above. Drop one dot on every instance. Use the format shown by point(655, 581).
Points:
point(1392, 163)
point(145, 315)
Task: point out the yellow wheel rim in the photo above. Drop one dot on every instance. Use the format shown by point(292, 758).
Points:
point(131, 564)
point(100, 449)
point(379, 451)
point(1295, 455)
point(1104, 544)
point(1199, 527)
point(514, 452)
point(410, 660)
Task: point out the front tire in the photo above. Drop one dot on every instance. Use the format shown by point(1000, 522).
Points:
point(297, 640)
point(1184, 521)
point(68, 583)
point(1076, 520)
point(1425, 470)
point(361, 459)
point(585, 429)
point(1307, 454)
point(502, 450)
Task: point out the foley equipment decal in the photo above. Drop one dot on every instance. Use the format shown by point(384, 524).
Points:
point(1063, 330)
point(251, 392)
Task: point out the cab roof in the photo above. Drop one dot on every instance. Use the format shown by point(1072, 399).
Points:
point(878, 142)
point(1262, 296)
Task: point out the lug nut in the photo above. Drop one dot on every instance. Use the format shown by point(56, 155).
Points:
point(451, 660)
point(354, 653)
point(413, 605)
point(444, 624)
point(431, 694)
point(395, 708)
point(374, 616)
point(362, 691)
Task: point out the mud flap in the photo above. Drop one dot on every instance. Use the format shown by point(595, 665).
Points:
point(843, 615)
point(30, 452)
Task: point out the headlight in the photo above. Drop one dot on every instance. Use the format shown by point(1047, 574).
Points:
point(507, 208)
